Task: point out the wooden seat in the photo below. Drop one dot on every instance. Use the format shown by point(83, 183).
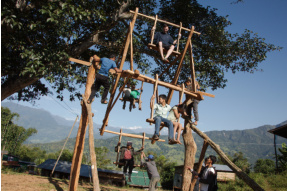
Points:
point(122, 164)
point(152, 121)
point(154, 47)
point(128, 99)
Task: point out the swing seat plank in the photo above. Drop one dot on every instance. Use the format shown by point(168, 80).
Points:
point(154, 47)
point(122, 164)
point(128, 99)
point(152, 121)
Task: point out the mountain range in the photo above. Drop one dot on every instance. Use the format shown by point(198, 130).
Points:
point(52, 130)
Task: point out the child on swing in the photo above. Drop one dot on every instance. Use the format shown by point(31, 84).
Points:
point(173, 116)
point(126, 94)
point(134, 95)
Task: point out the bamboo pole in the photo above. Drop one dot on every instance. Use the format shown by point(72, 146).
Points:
point(176, 76)
point(250, 182)
point(194, 88)
point(132, 135)
point(152, 100)
point(163, 21)
point(178, 36)
point(132, 52)
point(152, 33)
point(200, 162)
point(120, 140)
point(80, 140)
point(94, 169)
point(105, 121)
point(63, 147)
point(140, 100)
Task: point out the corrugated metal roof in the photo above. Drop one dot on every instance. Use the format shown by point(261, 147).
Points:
point(139, 178)
point(281, 131)
point(65, 167)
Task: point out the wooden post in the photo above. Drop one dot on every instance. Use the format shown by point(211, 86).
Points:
point(176, 76)
point(152, 33)
point(200, 162)
point(190, 150)
point(250, 182)
point(140, 100)
point(119, 146)
point(143, 139)
point(94, 169)
point(80, 140)
point(132, 52)
point(178, 36)
point(105, 121)
point(64, 147)
point(194, 88)
point(154, 93)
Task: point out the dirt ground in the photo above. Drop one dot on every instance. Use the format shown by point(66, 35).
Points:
point(26, 182)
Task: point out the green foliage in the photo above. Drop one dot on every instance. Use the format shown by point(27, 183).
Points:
point(39, 36)
point(265, 166)
point(12, 136)
point(282, 158)
point(242, 162)
point(101, 153)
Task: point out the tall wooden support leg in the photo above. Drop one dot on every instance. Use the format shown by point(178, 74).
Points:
point(118, 151)
point(194, 89)
point(105, 121)
point(176, 76)
point(154, 93)
point(200, 162)
point(94, 169)
point(250, 182)
point(190, 150)
point(132, 51)
point(80, 140)
point(143, 139)
point(140, 99)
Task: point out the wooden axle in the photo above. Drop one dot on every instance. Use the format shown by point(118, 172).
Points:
point(163, 21)
point(165, 84)
point(132, 135)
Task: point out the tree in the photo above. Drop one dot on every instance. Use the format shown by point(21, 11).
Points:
point(101, 153)
point(283, 157)
point(265, 166)
point(39, 36)
point(12, 135)
point(242, 162)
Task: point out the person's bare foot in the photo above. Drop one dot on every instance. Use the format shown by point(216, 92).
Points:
point(179, 142)
point(165, 60)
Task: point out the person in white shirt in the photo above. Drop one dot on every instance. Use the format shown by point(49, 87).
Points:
point(160, 114)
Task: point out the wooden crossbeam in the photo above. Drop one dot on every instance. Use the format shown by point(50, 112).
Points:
point(132, 135)
point(163, 21)
point(122, 164)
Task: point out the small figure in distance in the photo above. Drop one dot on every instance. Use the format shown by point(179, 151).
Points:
point(127, 157)
point(160, 113)
point(152, 172)
point(164, 40)
point(102, 77)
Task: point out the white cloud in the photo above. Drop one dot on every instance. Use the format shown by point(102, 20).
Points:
point(132, 127)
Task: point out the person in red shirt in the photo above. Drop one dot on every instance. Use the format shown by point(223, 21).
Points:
point(127, 158)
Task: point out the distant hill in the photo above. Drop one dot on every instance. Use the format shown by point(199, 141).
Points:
point(50, 128)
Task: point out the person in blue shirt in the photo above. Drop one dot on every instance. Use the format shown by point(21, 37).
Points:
point(102, 77)
point(164, 40)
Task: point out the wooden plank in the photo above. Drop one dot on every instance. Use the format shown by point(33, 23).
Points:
point(80, 61)
point(132, 52)
point(163, 21)
point(120, 140)
point(132, 135)
point(176, 76)
point(122, 164)
point(143, 140)
point(106, 118)
point(140, 100)
point(154, 93)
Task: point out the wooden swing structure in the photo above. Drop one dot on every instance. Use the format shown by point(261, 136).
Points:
point(190, 146)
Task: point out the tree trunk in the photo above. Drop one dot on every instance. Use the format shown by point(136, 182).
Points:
point(190, 150)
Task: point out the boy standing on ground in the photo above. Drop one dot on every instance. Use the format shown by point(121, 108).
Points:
point(160, 114)
point(127, 157)
point(151, 171)
point(102, 77)
point(164, 40)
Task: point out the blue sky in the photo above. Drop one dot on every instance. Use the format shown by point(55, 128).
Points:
point(248, 101)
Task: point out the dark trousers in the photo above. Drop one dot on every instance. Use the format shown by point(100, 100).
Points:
point(128, 164)
point(168, 123)
point(101, 81)
point(193, 106)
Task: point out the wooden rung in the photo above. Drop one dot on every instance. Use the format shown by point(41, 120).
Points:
point(132, 135)
point(122, 164)
point(154, 47)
